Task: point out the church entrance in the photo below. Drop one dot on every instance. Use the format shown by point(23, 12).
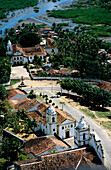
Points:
point(67, 134)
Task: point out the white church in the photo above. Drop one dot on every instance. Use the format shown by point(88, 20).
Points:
point(53, 120)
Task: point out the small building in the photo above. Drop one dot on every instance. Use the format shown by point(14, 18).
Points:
point(50, 48)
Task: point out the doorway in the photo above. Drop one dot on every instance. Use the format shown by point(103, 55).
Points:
point(67, 134)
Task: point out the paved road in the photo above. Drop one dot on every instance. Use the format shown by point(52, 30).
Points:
point(76, 114)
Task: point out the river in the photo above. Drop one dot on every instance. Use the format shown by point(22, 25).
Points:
point(29, 13)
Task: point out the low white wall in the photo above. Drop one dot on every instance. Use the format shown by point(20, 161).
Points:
point(6, 84)
point(95, 142)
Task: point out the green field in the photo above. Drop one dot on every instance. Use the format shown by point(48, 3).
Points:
point(94, 15)
point(98, 30)
point(6, 5)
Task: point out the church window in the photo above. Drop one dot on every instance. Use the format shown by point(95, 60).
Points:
point(83, 136)
point(65, 126)
point(17, 58)
point(53, 119)
point(54, 130)
point(71, 126)
point(62, 127)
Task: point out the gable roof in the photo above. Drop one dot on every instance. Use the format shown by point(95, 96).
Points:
point(37, 116)
point(42, 144)
point(62, 116)
point(27, 104)
point(42, 108)
point(64, 160)
point(13, 92)
point(27, 51)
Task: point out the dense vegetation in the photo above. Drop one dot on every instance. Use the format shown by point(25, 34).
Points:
point(89, 93)
point(6, 6)
point(79, 51)
point(86, 16)
point(93, 12)
point(5, 66)
point(29, 39)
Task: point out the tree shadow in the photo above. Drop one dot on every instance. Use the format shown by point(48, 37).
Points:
point(83, 102)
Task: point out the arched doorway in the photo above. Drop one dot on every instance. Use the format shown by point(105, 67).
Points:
point(67, 133)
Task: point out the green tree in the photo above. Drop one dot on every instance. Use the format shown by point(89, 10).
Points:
point(29, 39)
point(3, 93)
point(38, 61)
point(11, 148)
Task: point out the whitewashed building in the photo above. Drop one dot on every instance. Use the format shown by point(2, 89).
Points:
point(51, 120)
point(84, 137)
point(20, 55)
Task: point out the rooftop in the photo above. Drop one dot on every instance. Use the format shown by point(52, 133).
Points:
point(71, 159)
point(105, 85)
point(40, 145)
point(26, 104)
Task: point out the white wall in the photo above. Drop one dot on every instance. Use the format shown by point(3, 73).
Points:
point(78, 137)
point(95, 142)
point(49, 50)
point(66, 126)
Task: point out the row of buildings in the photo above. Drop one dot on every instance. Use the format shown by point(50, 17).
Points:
point(21, 55)
point(50, 151)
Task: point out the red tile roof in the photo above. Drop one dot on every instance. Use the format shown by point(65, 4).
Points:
point(42, 144)
point(26, 104)
point(65, 160)
point(37, 49)
point(14, 92)
point(105, 85)
point(37, 116)
point(42, 108)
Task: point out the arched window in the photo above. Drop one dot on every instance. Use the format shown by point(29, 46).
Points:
point(53, 119)
point(83, 136)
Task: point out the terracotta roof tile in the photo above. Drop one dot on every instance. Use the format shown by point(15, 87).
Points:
point(65, 160)
point(39, 145)
point(26, 104)
point(37, 116)
point(14, 92)
point(105, 85)
point(62, 116)
point(45, 29)
point(37, 49)
point(42, 144)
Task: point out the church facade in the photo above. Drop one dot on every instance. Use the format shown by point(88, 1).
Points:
point(52, 121)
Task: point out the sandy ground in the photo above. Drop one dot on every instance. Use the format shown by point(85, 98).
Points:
point(31, 21)
point(19, 71)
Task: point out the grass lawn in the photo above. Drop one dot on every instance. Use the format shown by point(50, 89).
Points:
point(107, 125)
point(14, 81)
point(92, 15)
point(103, 114)
point(88, 113)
